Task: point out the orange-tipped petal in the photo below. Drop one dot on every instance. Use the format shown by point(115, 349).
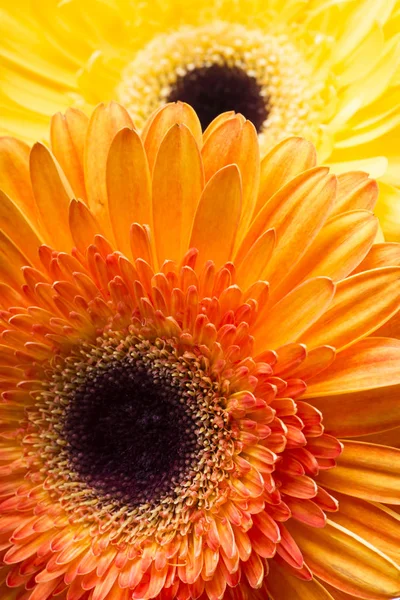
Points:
point(254, 264)
point(128, 185)
point(177, 185)
point(344, 560)
point(217, 217)
point(366, 471)
point(83, 225)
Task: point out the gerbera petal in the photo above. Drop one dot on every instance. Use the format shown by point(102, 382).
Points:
point(235, 142)
point(105, 122)
point(14, 174)
point(294, 312)
point(366, 471)
point(373, 522)
point(67, 134)
point(341, 558)
point(368, 364)
point(217, 216)
point(316, 189)
point(177, 174)
point(52, 194)
point(128, 185)
point(15, 225)
point(283, 586)
point(280, 165)
point(379, 256)
point(360, 413)
point(342, 325)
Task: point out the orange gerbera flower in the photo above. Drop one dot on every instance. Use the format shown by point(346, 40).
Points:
point(186, 333)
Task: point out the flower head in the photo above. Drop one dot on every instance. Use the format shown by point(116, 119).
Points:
point(186, 333)
point(327, 71)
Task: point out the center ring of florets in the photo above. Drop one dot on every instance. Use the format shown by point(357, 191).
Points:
point(133, 432)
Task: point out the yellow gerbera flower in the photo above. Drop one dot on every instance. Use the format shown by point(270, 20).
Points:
point(328, 71)
point(185, 334)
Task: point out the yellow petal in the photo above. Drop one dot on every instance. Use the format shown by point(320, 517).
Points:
point(128, 186)
point(370, 363)
point(285, 161)
point(105, 122)
point(178, 181)
point(67, 134)
point(217, 217)
point(344, 560)
point(352, 314)
point(53, 194)
point(286, 321)
point(178, 113)
point(366, 471)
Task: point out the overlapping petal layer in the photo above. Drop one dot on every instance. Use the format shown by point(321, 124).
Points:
point(199, 264)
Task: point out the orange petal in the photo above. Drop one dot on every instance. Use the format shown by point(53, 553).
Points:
point(253, 266)
point(352, 314)
point(17, 227)
point(15, 178)
point(217, 217)
point(286, 321)
point(284, 586)
point(370, 363)
point(67, 135)
point(177, 185)
point(11, 262)
point(297, 212)
point(355, 190)
point(344, 560)
point(128, 186)
point(178, 113)
point(336, 251)
point(83, 225)
point(361, 413)
point(380, 255)
point(235, 142)
point(373, 522)
point(105, 122)
point(389, 437)
point(217, 122)
point(53, 194)
point(285, 161)
point(366, 471)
